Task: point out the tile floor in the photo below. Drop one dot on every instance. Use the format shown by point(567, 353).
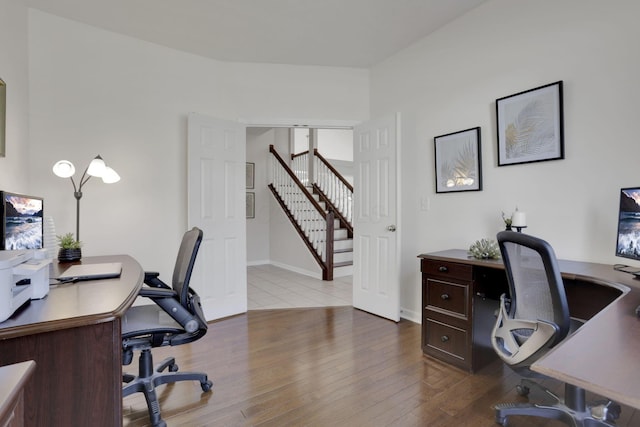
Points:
point(272, 287)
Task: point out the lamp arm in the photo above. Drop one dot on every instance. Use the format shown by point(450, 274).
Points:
point(75, 188)
point(83, 180)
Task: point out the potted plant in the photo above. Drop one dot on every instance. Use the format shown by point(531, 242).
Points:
point(508, 220)
point(69, 248)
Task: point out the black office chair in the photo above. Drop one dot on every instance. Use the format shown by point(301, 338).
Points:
point(175, 318)
point(532, 321)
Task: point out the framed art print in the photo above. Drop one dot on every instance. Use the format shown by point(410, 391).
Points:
point(530, 126)
point(458, 161)
point(251, 204)
point(251, 172)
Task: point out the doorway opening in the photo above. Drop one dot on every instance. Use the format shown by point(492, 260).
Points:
point(280, 271)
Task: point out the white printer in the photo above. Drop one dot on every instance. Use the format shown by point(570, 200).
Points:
point(23, 277)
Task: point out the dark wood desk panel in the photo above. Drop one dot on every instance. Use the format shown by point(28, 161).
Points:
point(603, 354)
point(74, 336)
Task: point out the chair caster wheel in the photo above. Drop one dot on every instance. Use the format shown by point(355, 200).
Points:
point(206, 386)
point(173, 368)
point(502, 421)
point(522, 390)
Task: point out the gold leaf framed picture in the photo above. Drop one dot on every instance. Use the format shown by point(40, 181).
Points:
point(531, 126)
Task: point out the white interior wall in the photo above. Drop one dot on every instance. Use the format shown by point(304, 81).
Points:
point(258, 237)
point(95, 92)
point(450, 80)
point(336, 144)
point(15, 166)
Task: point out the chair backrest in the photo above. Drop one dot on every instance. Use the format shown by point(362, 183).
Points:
point(535, 282)
point(184, 263)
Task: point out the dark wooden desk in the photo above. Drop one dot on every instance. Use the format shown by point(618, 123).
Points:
point(74, 336)
point(602, 356)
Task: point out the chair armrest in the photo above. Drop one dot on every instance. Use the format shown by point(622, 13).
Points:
point(156, 293)
point(512, 352)
point(151, 278)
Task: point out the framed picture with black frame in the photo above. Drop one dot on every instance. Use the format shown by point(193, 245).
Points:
point(251, 172)
point(531, 126)
point(251, 204)
point(458, 161)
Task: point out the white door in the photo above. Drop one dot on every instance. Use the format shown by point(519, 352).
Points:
point(217, 205)
point(376, 267)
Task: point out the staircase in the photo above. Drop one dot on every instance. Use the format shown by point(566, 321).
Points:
point(321, 219)
point(342, 237)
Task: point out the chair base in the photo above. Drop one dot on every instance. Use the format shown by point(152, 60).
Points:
point(149, 378)
point(572, 411)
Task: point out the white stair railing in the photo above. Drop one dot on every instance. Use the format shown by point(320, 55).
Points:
point(312, 222)
point(334, 186)
point(300, 167)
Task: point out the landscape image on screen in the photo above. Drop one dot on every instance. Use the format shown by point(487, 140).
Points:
point(629, 224)
point(23, 223)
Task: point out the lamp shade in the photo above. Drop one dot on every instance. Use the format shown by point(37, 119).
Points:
point(64, 169)
point(96, 167)
point(110, 176)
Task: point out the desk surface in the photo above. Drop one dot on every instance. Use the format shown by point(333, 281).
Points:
point(78, 304)
point(603, 355)
point(74, 336)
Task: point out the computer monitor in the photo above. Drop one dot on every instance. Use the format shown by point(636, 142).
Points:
point(628, 242)
point(22, 226)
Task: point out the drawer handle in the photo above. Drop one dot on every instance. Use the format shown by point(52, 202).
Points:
point(443, 269)
point(445, 296)
point(444, 338)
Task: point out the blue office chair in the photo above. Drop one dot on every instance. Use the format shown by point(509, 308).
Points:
point(530, 322)
point(176, 318)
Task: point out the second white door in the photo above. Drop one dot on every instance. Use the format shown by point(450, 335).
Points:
point(217, 205)
point(376, 282)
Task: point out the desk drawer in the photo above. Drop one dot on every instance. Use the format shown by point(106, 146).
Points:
point(448, 342)
point(444, 269)
point(451, 297)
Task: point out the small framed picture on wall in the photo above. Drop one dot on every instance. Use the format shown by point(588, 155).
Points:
point(251, 204)
point(458, 161)
point(251, 172)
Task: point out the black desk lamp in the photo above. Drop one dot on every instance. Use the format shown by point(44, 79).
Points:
point(97, 168)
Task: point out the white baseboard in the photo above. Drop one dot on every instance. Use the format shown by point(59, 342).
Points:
point(253, 263)
point(411, 316)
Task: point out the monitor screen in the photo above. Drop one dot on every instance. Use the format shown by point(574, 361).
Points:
point(628, 243)
point(21, 221)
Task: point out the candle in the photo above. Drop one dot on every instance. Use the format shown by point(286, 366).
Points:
point(519, 219)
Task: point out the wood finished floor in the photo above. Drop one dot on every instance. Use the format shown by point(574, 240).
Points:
point(332, 366)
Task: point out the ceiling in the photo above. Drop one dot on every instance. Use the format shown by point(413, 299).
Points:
point(343, 33)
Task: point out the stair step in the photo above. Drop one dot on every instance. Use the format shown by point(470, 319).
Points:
point(342, 264)
point(340, 233)
point(343, 245)
point(341, 257)
point(340, 251)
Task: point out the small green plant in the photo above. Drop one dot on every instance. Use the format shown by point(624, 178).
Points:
point(68, 241)
point(507, 220)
